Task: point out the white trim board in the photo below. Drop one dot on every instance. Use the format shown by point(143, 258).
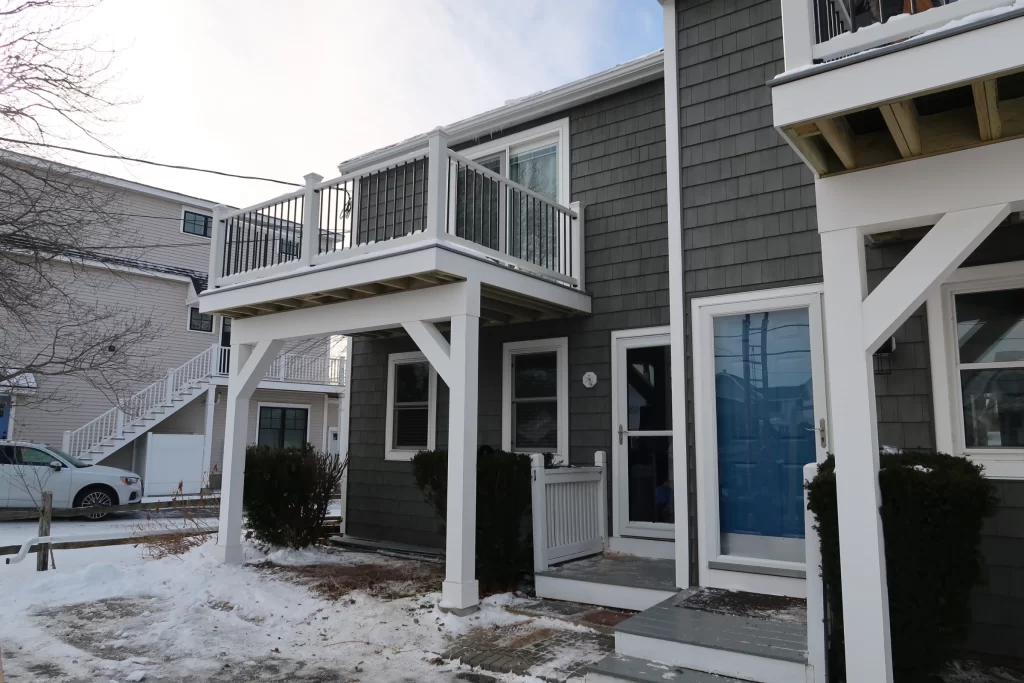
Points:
point(395, 359)
point(560, 345)
point(603, 594)
point(721, 662)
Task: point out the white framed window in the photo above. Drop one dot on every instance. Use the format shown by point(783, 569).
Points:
point(982, 345)
point(283, 425)
point(411, 424)
point(199, 322)
point(535, 397)
point(196, 223)
point(537, 158)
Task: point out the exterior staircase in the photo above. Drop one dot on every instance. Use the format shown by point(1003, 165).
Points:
point(119, 426)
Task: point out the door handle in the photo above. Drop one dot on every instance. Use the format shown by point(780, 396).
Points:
point(621, 432)
point(822, 436)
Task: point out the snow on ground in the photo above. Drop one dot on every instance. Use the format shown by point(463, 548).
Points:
point(107, 614)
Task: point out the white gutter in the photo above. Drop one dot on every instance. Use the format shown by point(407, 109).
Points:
point(644, 69)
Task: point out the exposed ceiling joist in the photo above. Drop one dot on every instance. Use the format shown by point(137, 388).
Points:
point(811, 149)
point(901, 120)
point(839, 136)
point(986, 104)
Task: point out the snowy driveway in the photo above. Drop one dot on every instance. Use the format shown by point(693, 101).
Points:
point(108, 615)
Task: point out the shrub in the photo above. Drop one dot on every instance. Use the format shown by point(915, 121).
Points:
point(503, 498)
point(933, 508)
point(287, 492)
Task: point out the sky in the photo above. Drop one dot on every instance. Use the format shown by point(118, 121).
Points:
point(281, 89)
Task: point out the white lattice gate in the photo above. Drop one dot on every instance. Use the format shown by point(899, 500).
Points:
point(569, 519)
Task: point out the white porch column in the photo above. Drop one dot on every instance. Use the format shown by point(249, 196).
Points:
point(211, 400)
point(248, 364)
point(460, 590)
point(855, 443)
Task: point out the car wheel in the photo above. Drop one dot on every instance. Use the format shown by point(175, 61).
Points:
point(95, 498)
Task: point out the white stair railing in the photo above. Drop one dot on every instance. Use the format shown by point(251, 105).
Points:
point(156, 396)
point(568, 511)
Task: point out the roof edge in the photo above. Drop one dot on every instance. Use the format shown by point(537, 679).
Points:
point(522, 110)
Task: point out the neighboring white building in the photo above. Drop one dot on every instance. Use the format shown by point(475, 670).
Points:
point(177, 416)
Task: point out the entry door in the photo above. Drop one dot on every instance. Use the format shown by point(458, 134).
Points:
point(225, 345)
point(642, 444)
point(5, 417)
point(761, 415)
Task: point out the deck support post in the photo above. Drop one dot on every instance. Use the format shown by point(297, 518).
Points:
point(248, 364)
point(211, 402)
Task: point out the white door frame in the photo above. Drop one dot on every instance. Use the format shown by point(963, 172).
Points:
point(731, 572)
point(621, 526)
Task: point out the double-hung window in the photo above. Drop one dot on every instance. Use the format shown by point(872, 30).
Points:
point(411, 399)
point(990, 368)
point(535, 415)
point(198, 224)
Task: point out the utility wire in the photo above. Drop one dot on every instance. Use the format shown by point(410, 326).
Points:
point(144, 161)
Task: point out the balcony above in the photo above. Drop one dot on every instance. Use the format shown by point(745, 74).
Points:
point(875, 82)
point(426, 219)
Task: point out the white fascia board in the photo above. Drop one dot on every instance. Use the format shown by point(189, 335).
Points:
point(922, 68)
point(919, 192)
point(636, 72)
point(103, 179)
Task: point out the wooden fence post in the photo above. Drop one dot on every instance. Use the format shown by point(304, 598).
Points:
point(45, 515)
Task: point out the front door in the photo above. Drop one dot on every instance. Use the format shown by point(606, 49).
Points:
point(225, 345)
point(642, 446)
point(761, 415)
point(5, 417)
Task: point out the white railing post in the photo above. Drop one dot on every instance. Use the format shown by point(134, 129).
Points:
point(815, 589)
point(437, 183)
point(578, 247)
point(218, 227)
point(797, 33)
point(214, 360)
point(170, 386)
point(310, 219)
point(282, 366)
point(600, 460)
point(119, 423)
point(65, 443)
point(540, 513)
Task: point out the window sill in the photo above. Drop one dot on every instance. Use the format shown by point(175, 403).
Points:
point(401, 456)
point(1007, 464)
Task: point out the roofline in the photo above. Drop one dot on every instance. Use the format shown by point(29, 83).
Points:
point(644, 69)
point(102, 178)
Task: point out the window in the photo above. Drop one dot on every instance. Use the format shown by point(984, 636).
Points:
point(194, 223)
point(412, 395)
point(990, 367)
point(283, 426)
point(32, 456)
point(199, 322)
point(535, 415)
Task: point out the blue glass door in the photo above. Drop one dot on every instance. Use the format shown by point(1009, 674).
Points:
point(5, 417)
point(764, 384)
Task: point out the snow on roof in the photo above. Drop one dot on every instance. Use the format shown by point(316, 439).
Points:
point(25, 381)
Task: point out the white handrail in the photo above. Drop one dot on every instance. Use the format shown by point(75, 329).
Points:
point(498, 178)
point(264, 205)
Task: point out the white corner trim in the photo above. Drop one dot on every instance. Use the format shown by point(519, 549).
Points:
point(944, 349)
point(391, 453)
point(555, 131)
point(269, 404)
point(560, 345)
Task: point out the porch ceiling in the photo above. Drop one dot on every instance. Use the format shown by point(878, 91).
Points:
point(498, 306)
point(955, 117)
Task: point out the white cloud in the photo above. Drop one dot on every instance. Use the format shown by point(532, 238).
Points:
point(281, 89)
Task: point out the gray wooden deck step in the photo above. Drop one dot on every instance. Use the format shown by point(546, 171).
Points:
point(616, 667)
point(619, 570)
point(768, 638)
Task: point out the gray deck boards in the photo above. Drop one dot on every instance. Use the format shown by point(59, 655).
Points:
point(619, 570)
point(759, 637)
point(642, 671)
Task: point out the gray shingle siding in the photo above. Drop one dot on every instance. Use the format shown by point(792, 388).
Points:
point(617, 147)
point(749, 223)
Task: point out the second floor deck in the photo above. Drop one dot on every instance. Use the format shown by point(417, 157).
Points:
point(874, 82)
point(423, 219)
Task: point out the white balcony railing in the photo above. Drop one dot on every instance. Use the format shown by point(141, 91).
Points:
point(294, 367)
point(568, 511)
point(824, 30)
point(431, 194)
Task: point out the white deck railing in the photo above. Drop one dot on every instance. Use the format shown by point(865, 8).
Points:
point(824, 30)
point(430, 194)
point(294, 367)
point(569, 506)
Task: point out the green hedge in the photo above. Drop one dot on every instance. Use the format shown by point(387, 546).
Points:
point(933, 509)
point(287, 492)
point(503, 498)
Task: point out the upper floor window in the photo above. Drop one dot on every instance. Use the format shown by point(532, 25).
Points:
point(199, 322)
point(194, 223)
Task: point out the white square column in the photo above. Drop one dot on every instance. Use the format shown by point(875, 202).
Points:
point(461, 591)
point(249, 363)
point(855, 444)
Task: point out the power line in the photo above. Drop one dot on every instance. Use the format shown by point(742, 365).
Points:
point(144, 161)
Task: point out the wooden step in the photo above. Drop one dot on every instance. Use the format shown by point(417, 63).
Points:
point(615, 668)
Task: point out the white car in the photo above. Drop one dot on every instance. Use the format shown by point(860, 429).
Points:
point(27, 469)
